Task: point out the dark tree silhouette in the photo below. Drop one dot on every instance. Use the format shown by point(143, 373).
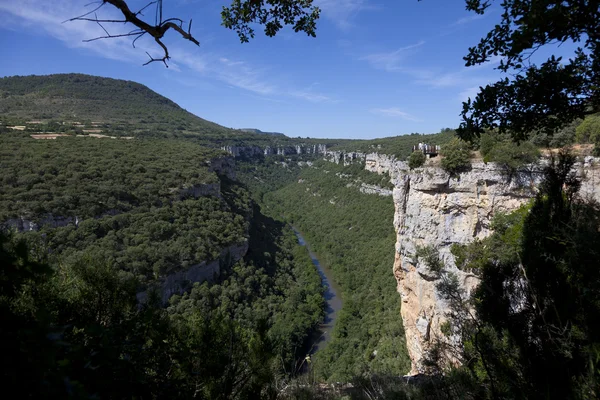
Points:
point(544, 97)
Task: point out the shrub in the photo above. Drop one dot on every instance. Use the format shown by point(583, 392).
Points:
point(589, 130)
point(511, 156)
point(486, 143)
point(456, 156)
point(416, 159)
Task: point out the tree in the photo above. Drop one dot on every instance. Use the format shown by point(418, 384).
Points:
point(589, 130)
point(543, 97)
point(416, 159)
point(239, 16)
point(456, 156)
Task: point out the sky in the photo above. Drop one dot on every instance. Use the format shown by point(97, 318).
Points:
point(377, 68)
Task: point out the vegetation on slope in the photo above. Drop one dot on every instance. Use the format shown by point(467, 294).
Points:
point(399, 146)
point(353, 235)
point(88, 177)
point(75, 103)
point(85, 98)
point(530, 329)
point(74, 326)
point(77, 330)
point(121, 200)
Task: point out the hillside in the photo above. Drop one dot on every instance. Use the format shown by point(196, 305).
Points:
point(252, 130)
point(84, 104)
point(96, 102)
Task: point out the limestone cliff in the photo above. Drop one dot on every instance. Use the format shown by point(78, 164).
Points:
point(434, 209)
point(253, 151)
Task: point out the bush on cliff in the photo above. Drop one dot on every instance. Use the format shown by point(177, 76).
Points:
point(531, 329)
point(416, 159)
point(456, 156)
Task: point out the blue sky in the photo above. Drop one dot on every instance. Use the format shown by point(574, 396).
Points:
point(375, 69)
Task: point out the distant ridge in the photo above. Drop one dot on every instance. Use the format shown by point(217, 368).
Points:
point(251, 130)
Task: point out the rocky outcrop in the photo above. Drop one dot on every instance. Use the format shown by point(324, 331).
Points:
point(223, 166)
point(24, 224)
point(182, 280)
point(344, 158)
point(243, 151)
point(203, 190)
point(374, 189)
point(434, 209)
point(253, 151)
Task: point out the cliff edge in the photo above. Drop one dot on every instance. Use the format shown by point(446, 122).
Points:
point(434, 209)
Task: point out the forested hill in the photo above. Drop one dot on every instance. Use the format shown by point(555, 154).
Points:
point(97, 103)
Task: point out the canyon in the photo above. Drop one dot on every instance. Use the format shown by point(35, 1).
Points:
point(435, 209)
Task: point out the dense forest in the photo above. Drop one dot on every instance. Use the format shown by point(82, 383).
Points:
point(352, 233)
point(90, 223)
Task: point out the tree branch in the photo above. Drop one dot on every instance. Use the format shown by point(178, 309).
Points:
point(157, 31)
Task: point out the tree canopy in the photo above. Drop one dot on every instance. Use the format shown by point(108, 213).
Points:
point(544, 97)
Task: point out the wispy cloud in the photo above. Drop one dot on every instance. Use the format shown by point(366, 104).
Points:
point(396, 113)
point(391, 61)
point(311, 94)
point(47, 18)
point(343, 12)
point(235, 73)
point(467, 19)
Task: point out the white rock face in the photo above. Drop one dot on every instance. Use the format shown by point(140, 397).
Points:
point(433, 209)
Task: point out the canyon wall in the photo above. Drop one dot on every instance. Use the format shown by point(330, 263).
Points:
point(434, 209)
point(253, 151)
point(182, 280)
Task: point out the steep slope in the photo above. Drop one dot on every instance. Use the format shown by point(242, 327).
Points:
point(351, 232)
point(434, 209)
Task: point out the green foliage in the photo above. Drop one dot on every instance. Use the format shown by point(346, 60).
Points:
point(511, 156)
point(431, 258)
point(456, 156)
point(129, 202)
point(301, 15)
point(562, 138)
point(416, 159)
point(545, 96)
point(357, 171)
point(266, 174)
point(589, 130)
point(487, 142)
point(120, 106)
point(88, 177)
point(348, 231)
point(399, 146)
point(535, 333)
point(77, 329)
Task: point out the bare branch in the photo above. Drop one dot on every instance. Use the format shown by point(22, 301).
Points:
point(157, 31)
point(100, 25)
point(109, 37)
point(87, 13)
point(102, 20)
point(143, 8)
point(135, 40)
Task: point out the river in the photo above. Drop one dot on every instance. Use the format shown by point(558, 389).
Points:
point(333, 301)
